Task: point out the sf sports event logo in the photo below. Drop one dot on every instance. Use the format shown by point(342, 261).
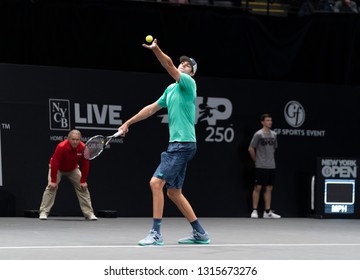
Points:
point(294, 114)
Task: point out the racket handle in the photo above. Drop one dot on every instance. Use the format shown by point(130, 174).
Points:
point(117, 134)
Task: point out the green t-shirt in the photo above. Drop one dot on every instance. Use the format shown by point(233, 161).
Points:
point(180, 100)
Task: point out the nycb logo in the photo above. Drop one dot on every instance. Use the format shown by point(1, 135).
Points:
point(59, 113)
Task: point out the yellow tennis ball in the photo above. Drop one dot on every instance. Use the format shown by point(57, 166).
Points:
point(149, 38)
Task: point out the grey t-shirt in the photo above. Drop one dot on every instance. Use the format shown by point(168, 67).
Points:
point(265, 145)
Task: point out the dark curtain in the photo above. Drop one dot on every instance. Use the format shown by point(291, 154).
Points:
point(318, 48)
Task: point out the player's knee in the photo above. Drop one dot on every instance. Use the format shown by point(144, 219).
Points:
point(173, 194)
point(257, 188)
point(156, 185)
point(170, 195)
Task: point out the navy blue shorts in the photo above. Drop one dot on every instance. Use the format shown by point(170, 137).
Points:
point(264, 177)
point(172, 167)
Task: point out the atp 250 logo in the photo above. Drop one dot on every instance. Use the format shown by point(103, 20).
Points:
point(215, 112)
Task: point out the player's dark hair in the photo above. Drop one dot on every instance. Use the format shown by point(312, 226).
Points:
point(264, 116)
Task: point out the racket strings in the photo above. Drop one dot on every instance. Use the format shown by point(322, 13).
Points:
point(93, 147)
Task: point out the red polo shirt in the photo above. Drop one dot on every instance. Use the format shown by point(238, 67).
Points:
point(66, 159)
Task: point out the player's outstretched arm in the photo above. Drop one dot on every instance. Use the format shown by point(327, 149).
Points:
point(143, 114)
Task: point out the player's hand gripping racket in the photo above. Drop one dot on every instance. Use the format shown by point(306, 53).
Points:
point(96, 144)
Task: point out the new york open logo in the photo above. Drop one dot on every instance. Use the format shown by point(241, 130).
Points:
point(337, 168)
point(59, 113)
point(294, 113)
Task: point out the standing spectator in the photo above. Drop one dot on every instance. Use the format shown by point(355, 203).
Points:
point(262, 151)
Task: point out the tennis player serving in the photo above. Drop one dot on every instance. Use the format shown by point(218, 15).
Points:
point(179, 99)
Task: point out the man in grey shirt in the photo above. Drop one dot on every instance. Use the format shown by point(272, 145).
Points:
point(262, 149)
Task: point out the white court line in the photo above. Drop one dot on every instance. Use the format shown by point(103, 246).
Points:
point(183, 246)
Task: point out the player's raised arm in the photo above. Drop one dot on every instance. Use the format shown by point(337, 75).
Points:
point(164, 59)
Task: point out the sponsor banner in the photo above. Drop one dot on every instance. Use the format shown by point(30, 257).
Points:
point(227, 114)
point(294, 114)
point(337, 188)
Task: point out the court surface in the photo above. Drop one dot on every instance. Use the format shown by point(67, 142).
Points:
point(73, 238)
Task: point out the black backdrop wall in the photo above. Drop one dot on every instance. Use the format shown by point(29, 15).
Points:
point(226, 42)
point(247, 64)
point(39, 105)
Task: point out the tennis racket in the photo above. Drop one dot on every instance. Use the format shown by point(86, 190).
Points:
point(96, 144)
